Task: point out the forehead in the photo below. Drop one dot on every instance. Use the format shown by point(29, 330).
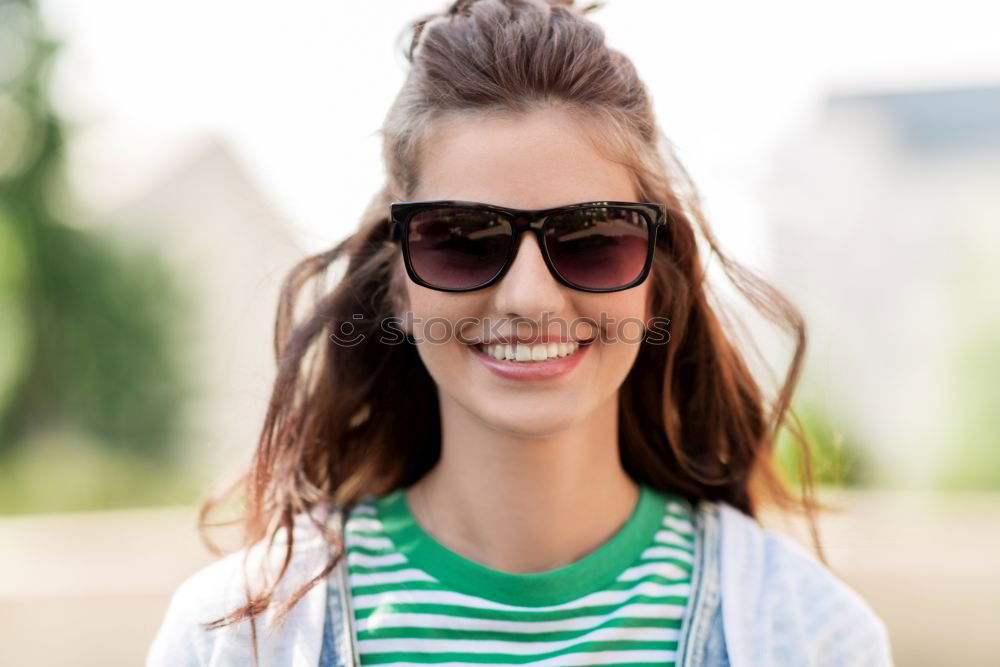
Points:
point(540, 159)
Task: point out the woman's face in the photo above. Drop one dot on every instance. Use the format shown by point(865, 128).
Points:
point(535, 161)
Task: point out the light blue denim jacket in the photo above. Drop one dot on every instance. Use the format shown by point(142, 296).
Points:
point(758, 600)
point(703, 636)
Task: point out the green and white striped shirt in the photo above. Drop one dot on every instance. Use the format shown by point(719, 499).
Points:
point(418, 602)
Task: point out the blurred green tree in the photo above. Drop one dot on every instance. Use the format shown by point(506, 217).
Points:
point(88, 332)
point(972, 462)
point(836, 458)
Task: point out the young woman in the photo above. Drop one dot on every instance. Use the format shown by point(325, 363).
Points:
point(516, 431)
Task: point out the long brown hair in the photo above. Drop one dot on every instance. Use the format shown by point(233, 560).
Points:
point(347, 421)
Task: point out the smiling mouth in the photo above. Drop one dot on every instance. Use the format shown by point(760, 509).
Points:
point(528, 353)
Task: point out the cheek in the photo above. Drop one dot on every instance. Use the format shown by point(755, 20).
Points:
point(438, 351)
point(433, 318)
point(623, 314)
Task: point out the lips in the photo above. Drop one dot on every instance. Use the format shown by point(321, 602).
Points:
point(530, 366)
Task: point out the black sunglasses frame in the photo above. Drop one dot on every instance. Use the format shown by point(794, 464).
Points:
point(522, 220)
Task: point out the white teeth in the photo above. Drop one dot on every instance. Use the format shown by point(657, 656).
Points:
point(536, 352)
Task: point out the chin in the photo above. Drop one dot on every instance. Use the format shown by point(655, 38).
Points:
point(522, 419)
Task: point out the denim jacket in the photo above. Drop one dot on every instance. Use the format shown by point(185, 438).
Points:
point(758, 599)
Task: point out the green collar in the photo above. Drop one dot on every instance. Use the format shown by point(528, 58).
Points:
point(591, 573)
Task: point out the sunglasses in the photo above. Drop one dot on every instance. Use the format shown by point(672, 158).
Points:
point(459, 246)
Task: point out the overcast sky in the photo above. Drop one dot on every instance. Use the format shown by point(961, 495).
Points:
point(299, 88)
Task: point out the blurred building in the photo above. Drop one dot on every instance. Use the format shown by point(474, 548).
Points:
point(231, 250)
point(885, 219)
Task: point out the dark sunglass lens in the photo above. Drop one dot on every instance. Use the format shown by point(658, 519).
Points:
point(457, 248)
point(598, 247)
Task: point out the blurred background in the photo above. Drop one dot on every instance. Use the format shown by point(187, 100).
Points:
point(163, 165)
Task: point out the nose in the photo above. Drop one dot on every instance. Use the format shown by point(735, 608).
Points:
point(528, 289)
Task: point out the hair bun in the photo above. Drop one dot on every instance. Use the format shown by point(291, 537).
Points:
point(459, 7)
point(463, 6)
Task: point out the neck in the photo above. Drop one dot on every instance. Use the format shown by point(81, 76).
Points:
point(520, 504)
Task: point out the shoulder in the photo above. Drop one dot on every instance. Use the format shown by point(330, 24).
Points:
point(781, 603)
point(220, 587)
point(206, 595)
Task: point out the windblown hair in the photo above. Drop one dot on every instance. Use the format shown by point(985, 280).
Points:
point(347, 421)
